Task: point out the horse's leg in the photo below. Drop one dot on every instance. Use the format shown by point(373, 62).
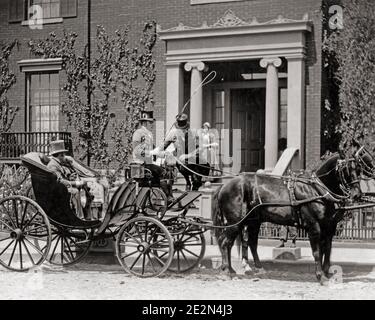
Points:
point(327, 252)
point(245, 250)
point(253, 232)
point(225, 242)
point(314, 237)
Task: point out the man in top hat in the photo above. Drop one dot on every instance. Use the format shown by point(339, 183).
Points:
point(142, 152)
point(62, 167)
point(186, 143)
point(66, 173)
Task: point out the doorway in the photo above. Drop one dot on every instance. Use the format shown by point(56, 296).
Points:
point(248, 115)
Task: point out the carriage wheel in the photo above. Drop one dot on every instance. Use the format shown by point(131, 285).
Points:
point(140, 243)
point(69, 246)
point(155, 203)
point(189, 246)
point(22, 222)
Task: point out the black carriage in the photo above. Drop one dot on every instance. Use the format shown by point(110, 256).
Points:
point(151, 236)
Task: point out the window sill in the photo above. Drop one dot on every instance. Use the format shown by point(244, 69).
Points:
point(194, 2)
point(44, 21)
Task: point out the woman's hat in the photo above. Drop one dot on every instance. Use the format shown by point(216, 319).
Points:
point(147, 116)
point(182, 121)
point(56, 147)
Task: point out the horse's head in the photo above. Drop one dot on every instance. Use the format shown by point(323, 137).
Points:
point(366, 162)
point(359, 164)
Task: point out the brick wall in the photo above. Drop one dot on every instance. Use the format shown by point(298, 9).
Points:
point(169, 13)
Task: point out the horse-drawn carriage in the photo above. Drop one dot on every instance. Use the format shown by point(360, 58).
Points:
point(153, 236)
point(150, 234)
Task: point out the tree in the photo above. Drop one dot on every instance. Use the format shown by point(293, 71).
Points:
point(7, 80)
point(353, 50)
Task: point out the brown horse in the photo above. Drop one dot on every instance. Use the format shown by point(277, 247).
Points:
point(309, 201)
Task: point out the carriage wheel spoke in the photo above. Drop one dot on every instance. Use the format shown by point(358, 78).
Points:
point(10, 218)
point(129, 254)
point(135, 261)
point(69, 249)
point(162, 244)
point(15, 210)
point(24, 212)
point(10, 228)
point(178, 260)
point(62, 250)
point(11, 257)
point(80, 246)
point(5, 239)
point(132, 237)
point(36, 228)
point(192, 253)
point(19, 243)
point(164, 254)
point(28, 222)
point(157, 259)
point(37, 249)
point(6, 247)
point(143, 264)
point(28, 252)
point(54, 249)
point(183, 254)
point(152, 264)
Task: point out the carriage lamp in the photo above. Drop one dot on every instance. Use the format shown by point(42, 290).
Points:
point(137, 171)
point(83, 198)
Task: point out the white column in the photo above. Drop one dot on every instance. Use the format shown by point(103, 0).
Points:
point(272, 111)
point(296, 108)
point(175, 93)
point(196, 91)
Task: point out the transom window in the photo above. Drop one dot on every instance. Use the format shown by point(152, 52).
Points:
point(44, 101)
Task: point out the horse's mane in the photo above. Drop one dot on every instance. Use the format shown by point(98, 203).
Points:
point(327, 164)
point(326, 173)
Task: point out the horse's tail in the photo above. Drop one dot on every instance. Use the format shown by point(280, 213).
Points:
point(216, 213)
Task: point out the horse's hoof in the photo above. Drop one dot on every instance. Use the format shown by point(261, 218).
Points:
point(324, 281)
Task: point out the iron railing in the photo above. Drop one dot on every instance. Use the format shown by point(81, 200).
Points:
point(15, 144)
point(359, 225)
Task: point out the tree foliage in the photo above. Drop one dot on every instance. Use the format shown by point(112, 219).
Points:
point(353, 50)
point(120, 74)
point(7, 80)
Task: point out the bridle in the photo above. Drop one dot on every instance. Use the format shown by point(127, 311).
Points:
point(365, 168)
point(343, 170)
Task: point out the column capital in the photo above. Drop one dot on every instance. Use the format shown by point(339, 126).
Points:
point(199, 65)
point(265, 62)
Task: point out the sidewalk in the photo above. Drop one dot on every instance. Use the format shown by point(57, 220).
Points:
point(352, 259)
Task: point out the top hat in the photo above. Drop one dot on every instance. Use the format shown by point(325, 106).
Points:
point(147, 116)
point(182, 121)
point(57, 146)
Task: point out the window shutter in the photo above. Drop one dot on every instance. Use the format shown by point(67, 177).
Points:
point(68, 8)
point(16, 10)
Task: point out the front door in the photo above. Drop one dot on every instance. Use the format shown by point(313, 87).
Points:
point(248, 115)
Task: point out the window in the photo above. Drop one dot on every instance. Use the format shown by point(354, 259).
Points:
point(44, 101)
point(52, 10)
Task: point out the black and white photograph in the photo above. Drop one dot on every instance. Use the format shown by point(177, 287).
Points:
point(196, 151)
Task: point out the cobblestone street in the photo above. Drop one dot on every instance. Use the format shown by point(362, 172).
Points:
point(87, 281)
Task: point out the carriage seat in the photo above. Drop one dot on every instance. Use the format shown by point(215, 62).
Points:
point(52, 196)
